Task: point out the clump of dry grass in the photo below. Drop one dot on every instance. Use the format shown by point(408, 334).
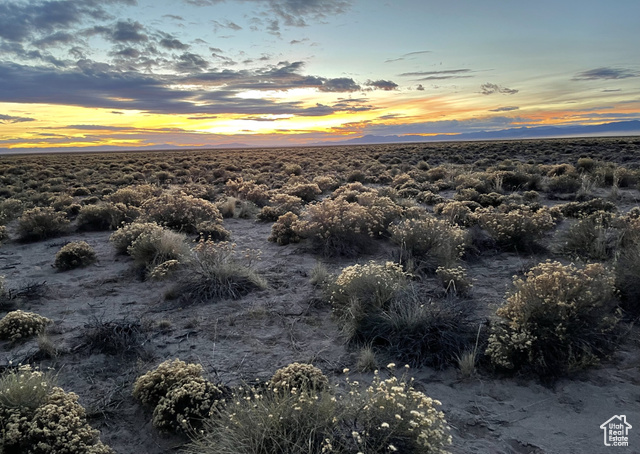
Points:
point(75, 255)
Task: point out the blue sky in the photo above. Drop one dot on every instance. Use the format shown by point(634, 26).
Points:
point(127, 73)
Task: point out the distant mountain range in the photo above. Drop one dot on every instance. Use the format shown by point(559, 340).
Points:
point(618, 128)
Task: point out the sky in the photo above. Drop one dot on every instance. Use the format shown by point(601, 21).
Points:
point(97, 74)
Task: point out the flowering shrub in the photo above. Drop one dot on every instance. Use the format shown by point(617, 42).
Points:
point(187, 404)
point(106, 216)
point(180, 212)
point(557, 320)
point(280, 204)
point(346, 224)
point(213, 272)
point(430, 241)
point(74, 255)
point(248, 190)
point(372, 284)
point(127, 234)
point(303, 377)
point(151, 387)
point(19, 325)
point(516, 227)
point(458, 213)
point(454, 280)
point(392, 416)
point(283, 231)
point(154, 247)
point(41, 223)
point(134, 195)
point(387, 416)
point(49, 421)
point(306, 191)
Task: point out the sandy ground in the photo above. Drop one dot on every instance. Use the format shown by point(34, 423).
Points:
point(250, 338)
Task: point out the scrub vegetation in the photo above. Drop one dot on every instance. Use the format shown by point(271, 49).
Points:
point(213, 301)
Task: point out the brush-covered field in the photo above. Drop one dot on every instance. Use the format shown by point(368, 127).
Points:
point(415, 298)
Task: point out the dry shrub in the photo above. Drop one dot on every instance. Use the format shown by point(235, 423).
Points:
point(180, 212)
point(300, 377)
point(213, 272)
point(387, 416)
point(213, 230)
point(557, 320)
point(454, 280)
point(152, 386)
point(592, 237)
point(283, 230)
point(346, 224)
point(154, 247)
point(10, 209)
point(515, 227)
point(456, 212)
point(41, 223)
point(248, 190)
point(429, 242)
point(326, 182)
point(74, 255)
point(581, 209)
point(134, 195)
point(58, 424)
point(114, 337)
point(372, 284)
point(280, 204)
point(127, 234)
point(106, 216)
point(306, 191)
point(188, 404)
point(17, 325)
point(564, 184)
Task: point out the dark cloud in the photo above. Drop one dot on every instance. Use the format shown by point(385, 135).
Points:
point(341, 84)
point(55, 39)
point(173, 44)
point(174, 17)
point(489, 89)
point(189, 62)
point(438, 75)
point(408, 56)
point(420, 87)
point(606, 73)
point(505, 109)
point(386, 85)
point(226, 25)
point(611, 90)
point(7, 119)
point(21, 21)
point(131, 32)
point(206, 117)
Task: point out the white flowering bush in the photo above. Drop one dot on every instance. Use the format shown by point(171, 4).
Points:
point(392, 416)
point(180, 212)
point(39, 418)
point(454, 280)
point(384, 417)
point(519, 227)
point(154, 247)
point(280, 204)
point(151, 387)
point(248, 190)
point(283, 230)
point(346, 224)
point(127, 234)
point(560, 318)
point(594, 236)
point(429, 241)
point(372, 285)
point(301, 376)
point(188, 404)
point(18, 325)
point(74, 255)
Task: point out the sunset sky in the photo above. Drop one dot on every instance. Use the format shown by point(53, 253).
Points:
point(81, 74)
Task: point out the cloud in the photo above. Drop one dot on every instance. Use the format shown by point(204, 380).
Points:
point(189, 62)
point(606, 73)
point(8, 119)
point(341, 84)
point(294, 13)
point(505, 109)
point(173, 44)
point(227, 25)
point(408, 56)
point(21, 21)
point(385, 85)
point(420, 87)
point(55, 39)
point(489, 89)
